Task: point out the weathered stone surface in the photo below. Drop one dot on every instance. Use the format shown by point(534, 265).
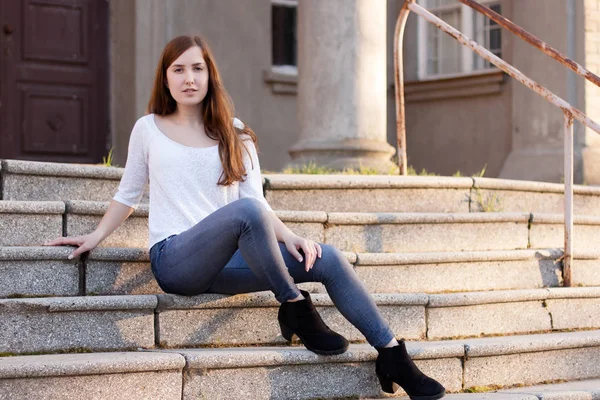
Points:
point(135, 375)
point(548, 231)
point(295, 373)
point(39, 366)
point(143, 385)
point(371, 200)
point(575, 313)
point(38, 271)
point(584, 390)
point(532, 368)
point(536, 197)
point(461, 276)
point(252, 319)
point(312, 231)
point(32, 187)
point(39, 278)
point(29, 223)
point(52, 324)
point(490, 297)
point(535, 202)
point(427, 236)
point(32, 180)
point(120, 278)
point(323, 381)
point(585, 272)
point(487, 319)
point(133, 232)
point(503, 345)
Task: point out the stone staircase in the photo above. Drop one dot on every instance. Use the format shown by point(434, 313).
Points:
point(478, 294)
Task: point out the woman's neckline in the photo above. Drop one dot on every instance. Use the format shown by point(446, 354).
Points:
point(152, 116)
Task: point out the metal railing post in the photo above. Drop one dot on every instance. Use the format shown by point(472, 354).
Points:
point(399, 87)
point(568, 254)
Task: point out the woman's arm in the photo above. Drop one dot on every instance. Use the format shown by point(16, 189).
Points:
point(116, 214)
point(282, 232)
point(127, 198)
point(294, 243)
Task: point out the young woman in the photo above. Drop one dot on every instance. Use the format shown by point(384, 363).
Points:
point(211, 229)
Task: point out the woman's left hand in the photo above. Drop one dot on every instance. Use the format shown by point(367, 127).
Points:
point(311, 249)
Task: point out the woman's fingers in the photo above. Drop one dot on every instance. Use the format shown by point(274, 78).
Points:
point(319, 250)
point(81, 249)
point(64, 241)
point(310, 253)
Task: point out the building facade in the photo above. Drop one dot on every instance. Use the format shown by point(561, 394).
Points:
point(314, 79)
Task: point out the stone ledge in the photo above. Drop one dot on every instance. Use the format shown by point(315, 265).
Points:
point(559, 219)
point(36, 253)
point(424, 218)
point(377, 259)
point(302, 216)
point(298, 182)
point(574, 293)
point(83, 303)
point(505, 345)
point(31, 207)
point(275, 356)
point(83, 207)
point(531, 186)
point(119, 254)
point(60, 169)
point(493, 297)
point(88, 364)
point(585, 390)
point(266, 299)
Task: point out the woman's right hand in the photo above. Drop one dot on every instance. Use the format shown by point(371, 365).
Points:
point(86, 243)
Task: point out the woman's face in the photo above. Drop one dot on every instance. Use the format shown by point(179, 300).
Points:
point(187, 77)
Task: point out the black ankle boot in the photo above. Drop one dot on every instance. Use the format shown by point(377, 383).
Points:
point(301, 318)
point(395, 367)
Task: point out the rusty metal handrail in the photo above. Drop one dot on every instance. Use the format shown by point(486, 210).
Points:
point(569, 111)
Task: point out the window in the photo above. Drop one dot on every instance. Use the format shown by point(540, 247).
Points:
point(284, 40)
point(440, 54)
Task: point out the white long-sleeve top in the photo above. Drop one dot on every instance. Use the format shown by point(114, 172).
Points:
point(183, 180)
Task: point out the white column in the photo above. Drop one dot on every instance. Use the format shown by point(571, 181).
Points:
point(342, 84)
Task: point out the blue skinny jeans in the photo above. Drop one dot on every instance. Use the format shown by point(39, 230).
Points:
point(234, 250)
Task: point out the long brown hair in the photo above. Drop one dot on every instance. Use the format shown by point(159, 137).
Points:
point(217, 110)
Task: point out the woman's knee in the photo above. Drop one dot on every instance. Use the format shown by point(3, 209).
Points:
point(251, 209)
point(333, 263)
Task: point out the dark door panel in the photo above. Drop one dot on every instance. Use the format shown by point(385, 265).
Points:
point(54, 79)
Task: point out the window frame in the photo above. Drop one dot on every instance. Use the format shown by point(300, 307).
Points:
point(467, 56)
point(287, 69)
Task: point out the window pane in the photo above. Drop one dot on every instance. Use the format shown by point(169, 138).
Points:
point(284, 35)
point(488, 34)
point(450, 50)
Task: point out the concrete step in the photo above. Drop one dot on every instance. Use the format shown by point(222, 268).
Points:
point(577, 390)
point(351, 193)
point(121, 322)
point(296, 373)
point(45, 271)
point(46, 181)
point(70, 323)
point(30, 222)
point(216, 319)
point(29, 180)
point(355, 232)
point(383, 232)
point(459, 365)
point(98, 376)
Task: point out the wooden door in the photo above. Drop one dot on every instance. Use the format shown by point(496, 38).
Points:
point(54, 80)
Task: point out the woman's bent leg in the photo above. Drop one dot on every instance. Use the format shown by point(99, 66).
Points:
point(347, 292)
point(191, 260)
